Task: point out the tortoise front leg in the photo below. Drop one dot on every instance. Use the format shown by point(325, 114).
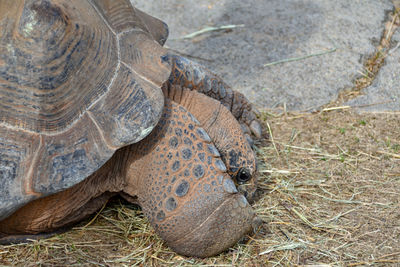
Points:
point(184, 189)
point(226, 134)
point(192, 75)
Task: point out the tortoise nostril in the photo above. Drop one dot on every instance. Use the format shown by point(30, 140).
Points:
point(243, 175)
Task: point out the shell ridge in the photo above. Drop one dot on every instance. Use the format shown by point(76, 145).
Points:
point(138, 74)
point(102, 17)
point(28, 186)
point(90, 115)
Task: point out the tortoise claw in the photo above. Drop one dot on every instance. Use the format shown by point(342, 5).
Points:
point(257, 223)
point(245, 128)
point(255, 128)
point(249, 139)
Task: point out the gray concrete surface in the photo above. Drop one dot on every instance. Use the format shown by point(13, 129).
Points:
point(384, 93)
point(276, 30)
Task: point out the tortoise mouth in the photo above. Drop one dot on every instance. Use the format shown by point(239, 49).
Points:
point(250, 192)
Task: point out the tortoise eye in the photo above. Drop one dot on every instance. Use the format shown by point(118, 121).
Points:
point(243, 175)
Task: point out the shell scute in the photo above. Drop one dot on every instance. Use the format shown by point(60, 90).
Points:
point(70, 95)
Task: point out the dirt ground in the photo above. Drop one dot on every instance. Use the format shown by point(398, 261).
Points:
point(330, 186)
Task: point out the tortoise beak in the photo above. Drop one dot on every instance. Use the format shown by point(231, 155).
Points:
point(249, 190)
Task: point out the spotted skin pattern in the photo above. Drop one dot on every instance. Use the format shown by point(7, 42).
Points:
point(225, 132)
point(184, 187)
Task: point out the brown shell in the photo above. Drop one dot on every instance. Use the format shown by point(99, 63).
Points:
point(78, 80)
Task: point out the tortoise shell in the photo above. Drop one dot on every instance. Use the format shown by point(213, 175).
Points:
point(78, 80)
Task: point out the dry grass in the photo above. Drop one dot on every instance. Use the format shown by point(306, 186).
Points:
point(331, 190)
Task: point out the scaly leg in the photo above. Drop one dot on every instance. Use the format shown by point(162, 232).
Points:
point(189, 74)
point(184, 189)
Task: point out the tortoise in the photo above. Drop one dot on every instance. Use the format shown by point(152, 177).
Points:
point(92, 106)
